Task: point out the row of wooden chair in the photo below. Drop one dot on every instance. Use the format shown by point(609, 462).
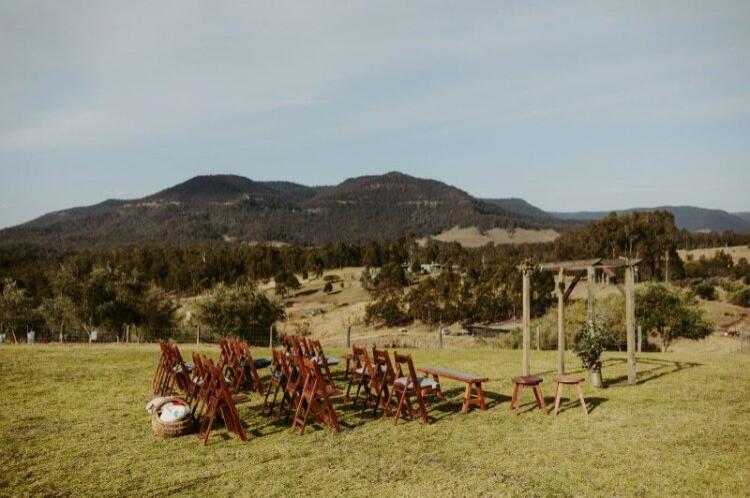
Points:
point(211, 397)
point(172, 373)
point(237, 363)
point(213, 390)
point(301, 373)
point(396, 390)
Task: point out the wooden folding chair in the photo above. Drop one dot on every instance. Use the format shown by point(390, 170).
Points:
point(171, 372)
point(247, 363)
point(323, 362)
point(406, 385)
point(295, 378)
point(384, 377)
point(280, 373)
point(217, 402)
point(159, 384)
point(361, 373)
point(181, 371)
point(315, 399)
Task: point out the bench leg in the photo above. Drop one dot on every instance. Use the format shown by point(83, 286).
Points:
point(439, 391)
point(467, 398)
point(480, 394)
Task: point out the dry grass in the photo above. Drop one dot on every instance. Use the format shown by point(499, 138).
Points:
point(736, 252)
point(74, 424)
point(473, 237)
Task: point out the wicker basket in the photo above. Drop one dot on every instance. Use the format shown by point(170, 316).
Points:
point(171, 429)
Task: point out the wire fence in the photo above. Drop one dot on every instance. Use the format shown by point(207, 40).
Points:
point(341, 338)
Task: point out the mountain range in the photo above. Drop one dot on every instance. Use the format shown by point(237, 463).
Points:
point(231, 208)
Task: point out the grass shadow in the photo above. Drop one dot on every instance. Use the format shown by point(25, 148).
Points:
point(658, 368)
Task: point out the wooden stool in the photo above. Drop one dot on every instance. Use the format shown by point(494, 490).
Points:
point(530, 381)
point(571, 380)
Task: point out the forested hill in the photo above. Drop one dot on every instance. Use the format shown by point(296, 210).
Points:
point(232, 208)
point(695, 219)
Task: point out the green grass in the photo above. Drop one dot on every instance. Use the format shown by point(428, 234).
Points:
point(74, 423)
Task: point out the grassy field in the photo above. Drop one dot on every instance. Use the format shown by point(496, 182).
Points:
point(74, 424)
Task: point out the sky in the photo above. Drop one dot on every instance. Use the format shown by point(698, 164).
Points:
point(570, 105)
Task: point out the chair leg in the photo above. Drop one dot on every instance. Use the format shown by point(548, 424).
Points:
point(514, 398)
point(400, 406)
point(540, 399)
point(583, 400)
point(422, 409)
point(348, 389)
point(558, 395)
point(387, 409)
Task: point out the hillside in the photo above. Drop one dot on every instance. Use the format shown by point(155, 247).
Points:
point(232, 208)
point(519, 206)
point(686, 217)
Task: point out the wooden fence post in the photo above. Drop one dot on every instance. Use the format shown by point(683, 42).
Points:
point(440, 337)
point(538, 338)
point(270, 337)
point(198, 335)
point(349, 337)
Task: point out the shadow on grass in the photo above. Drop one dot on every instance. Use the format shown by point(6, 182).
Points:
point(655, 368)
point(183, 485)
point(574, 404)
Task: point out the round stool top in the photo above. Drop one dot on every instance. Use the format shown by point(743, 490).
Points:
point(569, 379)
point(528, 380)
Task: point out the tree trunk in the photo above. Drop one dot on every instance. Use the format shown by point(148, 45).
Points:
point(15, 339)
point(61, 333)
point(664, 346)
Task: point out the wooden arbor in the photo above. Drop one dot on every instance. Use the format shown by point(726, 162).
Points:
point(578, 270)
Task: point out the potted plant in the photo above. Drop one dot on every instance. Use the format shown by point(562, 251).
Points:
point(589, 347)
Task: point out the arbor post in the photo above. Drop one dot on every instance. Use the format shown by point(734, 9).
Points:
point(591, 278)
point(630, 321)
point(526, 319)
point(640, 339)
point(538, 338)
point(560, 289)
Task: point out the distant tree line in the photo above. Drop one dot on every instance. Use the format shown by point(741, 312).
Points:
point(139, 286)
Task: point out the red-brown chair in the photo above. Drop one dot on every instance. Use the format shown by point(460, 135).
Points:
point(407, 385)
point(315, 399)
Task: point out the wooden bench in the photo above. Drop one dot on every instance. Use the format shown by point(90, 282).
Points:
point(473, 383)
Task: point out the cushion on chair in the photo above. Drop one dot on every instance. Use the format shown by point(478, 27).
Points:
point(261, 362)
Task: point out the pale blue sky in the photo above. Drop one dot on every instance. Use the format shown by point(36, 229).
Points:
point(570, 105)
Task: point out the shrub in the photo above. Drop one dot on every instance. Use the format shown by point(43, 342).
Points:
point(589, 344)
point(387, 310)
point(741, 297)
point(238, 310)
point(704, 290)
point(328, 287)
point(670, 313)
